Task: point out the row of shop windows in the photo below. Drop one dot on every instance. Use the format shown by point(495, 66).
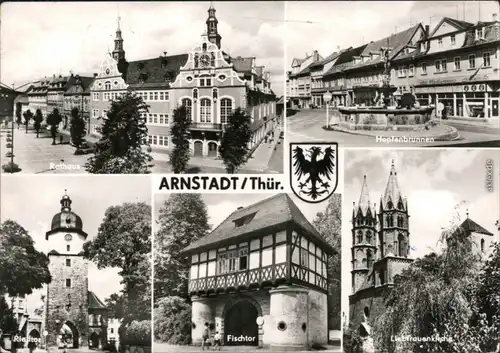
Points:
point(473, 104)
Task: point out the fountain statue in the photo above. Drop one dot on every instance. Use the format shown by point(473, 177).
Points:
point(385, 113)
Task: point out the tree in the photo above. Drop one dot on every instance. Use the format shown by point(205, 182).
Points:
point(173, 321)
point(183, 218)
point(27, 115)
point(116, 305)
point(54, 119)
point(328, 224)
point(77, 128)
point(22, 267)
point(234, 145)
point(124, 241)
point(435, 296)
point(119, 150)
point(19, 118)
point(38, 118)
point(180, 154)
point(7, 320)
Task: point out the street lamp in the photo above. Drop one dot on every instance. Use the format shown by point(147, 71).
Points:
point(327, 97)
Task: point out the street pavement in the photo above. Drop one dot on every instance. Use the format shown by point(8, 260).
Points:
point(38, 156)
point(307, 126)
point(166, 348)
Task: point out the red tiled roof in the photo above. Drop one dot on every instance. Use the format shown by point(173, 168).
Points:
point(345, 59)
point(272, 211)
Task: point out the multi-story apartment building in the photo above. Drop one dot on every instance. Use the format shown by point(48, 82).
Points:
point(299, 80)
point(318, 70)
point(207, 81)
point(37, 96)
point(77, 95)
point(55, 93)
point(7, 97)
point(457, 65)
point(334, 79)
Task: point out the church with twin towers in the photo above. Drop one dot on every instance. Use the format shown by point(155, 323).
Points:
point(380, 248)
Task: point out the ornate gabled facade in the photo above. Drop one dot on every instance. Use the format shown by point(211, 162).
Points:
point(263, 261)
point(77, 95)
point(207, 80)
point(299, 80)
point(456, 65)
point(380, 249)
point(73, 315)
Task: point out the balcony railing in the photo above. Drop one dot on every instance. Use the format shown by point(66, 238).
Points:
point(257, 277)
point(206, 126)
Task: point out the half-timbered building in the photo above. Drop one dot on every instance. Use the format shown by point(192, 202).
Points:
point(260, 278)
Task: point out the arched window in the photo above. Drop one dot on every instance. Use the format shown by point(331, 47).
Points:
point(107, 85)
point(360, 237)
point(389, 205)
point(186, 102)
point(226, 109)
point(369, 237)
point(401, 245)
point(205, 110)
point(369, 258)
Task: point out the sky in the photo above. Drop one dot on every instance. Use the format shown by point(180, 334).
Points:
point(58, 37)
point(344, 24)
point(434, 181)
point(32, 201)
point(219, 206)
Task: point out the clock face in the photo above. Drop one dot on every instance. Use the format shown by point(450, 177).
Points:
point(205, 60)
point(68, 237)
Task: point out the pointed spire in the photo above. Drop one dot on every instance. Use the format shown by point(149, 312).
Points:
point(118, 27)
point(211, 6)
point(364, 198)
point(392, 188)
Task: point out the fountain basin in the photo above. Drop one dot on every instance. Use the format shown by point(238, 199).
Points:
point(384, 119)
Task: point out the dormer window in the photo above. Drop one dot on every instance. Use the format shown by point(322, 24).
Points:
point(143, 77)
point(479, 33)
point(240, 222)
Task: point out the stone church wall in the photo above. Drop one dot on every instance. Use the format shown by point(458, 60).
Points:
point(371, 298)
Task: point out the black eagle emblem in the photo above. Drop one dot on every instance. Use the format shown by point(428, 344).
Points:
point(317, 170)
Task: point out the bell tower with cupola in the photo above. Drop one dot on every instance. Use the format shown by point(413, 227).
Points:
point(118, 52)
point(212, 31)
point(66, 315)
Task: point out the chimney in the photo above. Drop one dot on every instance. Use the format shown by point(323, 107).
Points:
point(338, 47)
point(240, 207)
point(95, 74)
point(427, 31)
point(164, 53)
point(71, 74)
point(494, 17)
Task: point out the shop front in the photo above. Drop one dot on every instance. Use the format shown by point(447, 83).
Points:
point(471, 100)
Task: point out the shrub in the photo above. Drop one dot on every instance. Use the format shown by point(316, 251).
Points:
point(11, 168)
point(173, 321)
point(138, 333)
point(352, 341)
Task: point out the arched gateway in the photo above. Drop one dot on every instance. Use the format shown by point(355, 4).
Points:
point(264, 261)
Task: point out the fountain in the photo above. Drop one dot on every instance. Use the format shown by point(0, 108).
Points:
point(386, 113)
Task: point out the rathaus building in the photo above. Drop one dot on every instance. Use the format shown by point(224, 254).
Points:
point(260, 278)
point(208, 81)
